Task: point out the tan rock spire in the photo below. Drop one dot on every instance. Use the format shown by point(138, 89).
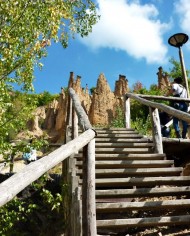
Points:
point(121, 86)
point(101, 110)
point(163, 80)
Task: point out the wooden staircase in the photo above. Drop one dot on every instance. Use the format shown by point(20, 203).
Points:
point(136, 187)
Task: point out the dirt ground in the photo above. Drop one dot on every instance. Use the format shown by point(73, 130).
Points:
point(164, 231)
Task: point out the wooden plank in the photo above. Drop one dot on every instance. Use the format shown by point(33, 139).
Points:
point(156, 130)
point(16, 183)
point(120, 135)
point(127, 112)
point(141, 192)
point(88, 191)
point(124, 150)
point(131, 156)
point(125, 145)
point(146, 181)
point(120, 156)
point(82, 116)
point(117, 131)
point(143, 206)
point(144, 222)
point(132, 164)
point(122, 140)
point(112, 173)
point(163, 98)
point(113, 128)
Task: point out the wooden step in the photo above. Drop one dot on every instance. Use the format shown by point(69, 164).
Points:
point(131, 164)
point(143, 182)
point(120, 156)
point(143, 206)
point(142, 192)
point(121, 173)
point(130, 156)
point(142, 222)
point(122, 140)
point(113, 128)
point(125, 150)
point(116, 132)
point(120, 135)
point(124, 145)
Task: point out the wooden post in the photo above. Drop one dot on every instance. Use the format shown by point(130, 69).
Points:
point(156, 130)
point(82, 116)
point(88, 191)
point(75, 125)
point(127, 112)
point(75, 226)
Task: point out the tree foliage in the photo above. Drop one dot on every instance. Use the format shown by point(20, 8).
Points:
point(34, 211)
point(175, 71)
point(27, 28)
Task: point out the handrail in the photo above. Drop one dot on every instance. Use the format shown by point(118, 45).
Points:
point(75, 115)
point(82, 116)
point(16, 183)
point(153, 109)
point(164, 98)
point(172, 111)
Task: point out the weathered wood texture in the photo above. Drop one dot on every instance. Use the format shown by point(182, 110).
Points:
point(127, 112)
point(127, 206)
point(156, 131)
point(143, 222)
point(88, 188)
point(163, 98)
point(125, 193)
point(82, 116)
point(12, 186)
point(176, 113)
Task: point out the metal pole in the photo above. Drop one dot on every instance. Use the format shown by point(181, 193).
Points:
point(184, 70)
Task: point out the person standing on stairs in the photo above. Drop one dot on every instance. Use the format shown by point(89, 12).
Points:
point(178, 90)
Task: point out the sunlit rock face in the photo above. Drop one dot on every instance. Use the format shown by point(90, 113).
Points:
point(100, 106)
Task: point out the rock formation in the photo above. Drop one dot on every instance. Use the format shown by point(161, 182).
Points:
point(163, 80)
point(103, 99)
point(121, 86)
point(100, 106)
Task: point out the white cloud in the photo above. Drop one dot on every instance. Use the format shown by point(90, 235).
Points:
point(182, 7)
point(131, 27)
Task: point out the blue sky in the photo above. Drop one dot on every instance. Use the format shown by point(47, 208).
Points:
point(131, 38)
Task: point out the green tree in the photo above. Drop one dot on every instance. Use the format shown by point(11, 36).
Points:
point(175, 71)
point(27, 28)
point(140, 119)
point(45, 98)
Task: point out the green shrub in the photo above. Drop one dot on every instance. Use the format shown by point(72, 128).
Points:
point(119, 120)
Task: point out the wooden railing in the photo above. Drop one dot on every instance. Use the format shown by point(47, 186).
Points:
point(76, 116)
point(154, 115)
point(16, 183)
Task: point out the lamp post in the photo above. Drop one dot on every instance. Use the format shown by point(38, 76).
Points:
point(177, 40)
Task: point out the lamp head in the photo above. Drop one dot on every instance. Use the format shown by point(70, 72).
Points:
point(177, 40)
